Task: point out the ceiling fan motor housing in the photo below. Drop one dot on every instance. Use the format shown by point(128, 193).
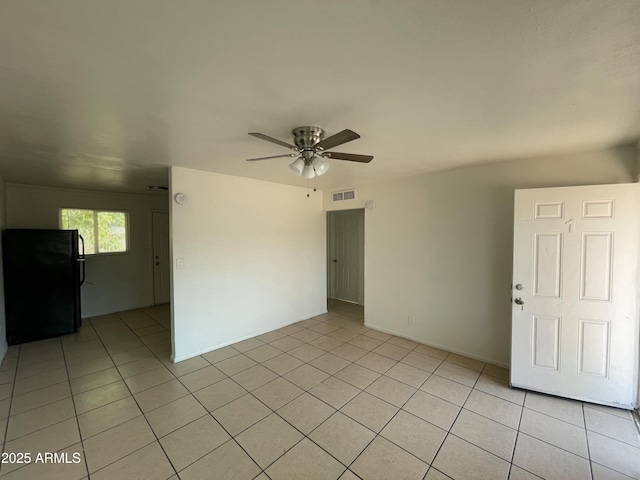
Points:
point(305, 138)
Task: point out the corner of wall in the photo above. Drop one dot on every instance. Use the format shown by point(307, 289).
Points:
point(3, 332)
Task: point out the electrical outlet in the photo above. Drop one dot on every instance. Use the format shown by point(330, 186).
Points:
point(411, 320)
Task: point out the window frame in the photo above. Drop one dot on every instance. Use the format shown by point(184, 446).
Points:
point(96, 233)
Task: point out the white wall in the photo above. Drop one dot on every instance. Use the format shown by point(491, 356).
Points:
point(3, 323)
point(254, 259)
point(114, 282)
point(438, 247)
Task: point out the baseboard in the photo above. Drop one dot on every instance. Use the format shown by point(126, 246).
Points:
point(436, 345)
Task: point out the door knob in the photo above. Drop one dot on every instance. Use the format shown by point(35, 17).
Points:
point(519, 301)
point(157, 263)
point(335, 260)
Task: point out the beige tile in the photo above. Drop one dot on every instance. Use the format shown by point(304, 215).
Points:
point(618, 412)
point(103, 418)
point(240, 414)
point(49, 439)
point(459, 374)
point(343, 334)
point(329, 363)
point(403, 342)
point(604, 473)
point(38, 398)
point(174, 415)
point(100, 396)
point(407, 374)
point(323, 328)
point(5, 406)
point(326, 343)
point(220, 354)
point(306, 376)
point(335, 392)
point(612, 426)
point(518, 473)
point(277, 393)
point(132, 355)
point(486, 434)
point(263, 353)
point(219, 394)
point(187, 366)
point(61, 471)
point(286, 344)
point(434, 474)
point(282, 363)
point(38, 418)
point(547, 461)
point(254, 377)
point(560, 408)
point(378, 335)
point(365, 342)
point(384, 460)
point(499, 388)
point(466, 362)
point(495, 371)
point(148, 462)
point(423, 362)
point(342, 437)
point(139, 366)
point(370, 411)
point(306, 353)
point(116, 443)
point(349, 475)
point(391, 351)
point(270, 337)
point(356, 327)
point(35, 382)
point(268, 439)
point(358, 376)
point(305, 460)
point(201, 378)
point(160, 395)
point(306, 412)
point(306, 335)
point(158, 337)
point(228, 461)
point(416, 436)
point(615, 455)
point(246, 345)
point(449, 390)
point(6, 390)
point(477, 464)
point(236, 364)
point(432, 409)
point(39, 367)
point(8, 376)
point(377, 363)
point(432, 352)
point(390, 390)
point(94, 380)
point(139, 383)
point(193, 441)
point(349, 352)
point(82, 369)
point(494, 408)
point(556, 432)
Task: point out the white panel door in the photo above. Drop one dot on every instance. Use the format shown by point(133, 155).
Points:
point(345, 260)
point(574, 321)
point(161, 272)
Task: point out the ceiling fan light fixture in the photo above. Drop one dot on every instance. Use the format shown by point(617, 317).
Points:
point(308, 171)
point(297, 166)
point(319, 165)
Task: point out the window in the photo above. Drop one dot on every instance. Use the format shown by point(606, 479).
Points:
point(103, 231)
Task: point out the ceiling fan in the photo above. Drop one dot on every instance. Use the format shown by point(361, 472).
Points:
point(310, 149)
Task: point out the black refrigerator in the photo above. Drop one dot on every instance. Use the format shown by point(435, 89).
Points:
point(43, 271)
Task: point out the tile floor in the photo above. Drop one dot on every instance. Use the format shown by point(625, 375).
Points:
point(325, 398)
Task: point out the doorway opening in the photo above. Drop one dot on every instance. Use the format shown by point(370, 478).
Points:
point(345, 256)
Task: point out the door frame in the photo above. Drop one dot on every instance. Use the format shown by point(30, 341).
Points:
point(331, 215)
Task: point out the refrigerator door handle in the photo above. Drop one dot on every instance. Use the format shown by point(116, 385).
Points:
point(82, 259)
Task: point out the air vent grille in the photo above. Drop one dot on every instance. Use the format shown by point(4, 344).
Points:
point(344, 195)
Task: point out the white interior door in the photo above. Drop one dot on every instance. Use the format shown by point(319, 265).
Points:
point(346, 255)
point(574, 320)
point(161, 278)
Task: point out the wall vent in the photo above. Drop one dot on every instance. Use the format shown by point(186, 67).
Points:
point(344, 195)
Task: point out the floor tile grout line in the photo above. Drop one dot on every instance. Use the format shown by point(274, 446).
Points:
point(6, 428)
point(515, 443)
point(586, 437)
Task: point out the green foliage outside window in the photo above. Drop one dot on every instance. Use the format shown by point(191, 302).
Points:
point(103, 231)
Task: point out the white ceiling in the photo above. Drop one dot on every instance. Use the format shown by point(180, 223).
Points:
point(106, 94)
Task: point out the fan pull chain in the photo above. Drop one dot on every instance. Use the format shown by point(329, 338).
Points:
point(308, 182)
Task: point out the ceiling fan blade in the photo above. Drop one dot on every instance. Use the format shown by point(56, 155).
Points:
point(337, 139)
point(352, 157)
point(272, 156)
point(272, 140)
